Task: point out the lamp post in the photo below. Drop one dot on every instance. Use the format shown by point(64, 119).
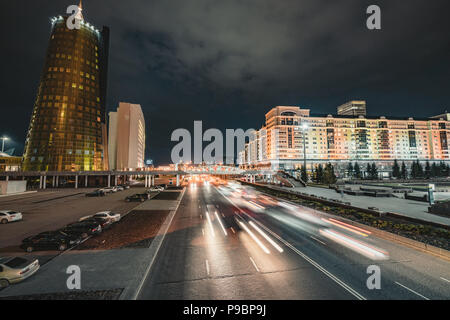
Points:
point(304, 128)
point(3, 143)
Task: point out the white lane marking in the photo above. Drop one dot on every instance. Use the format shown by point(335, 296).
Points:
point(273, 243)
point(220, 222)
point(254, 264)
point(311, 261)
point(260, 244)
point(411, 290)
point(445, 279)
point(210, 224)
point(232, 229)
point(318, 240)
point(207, 267)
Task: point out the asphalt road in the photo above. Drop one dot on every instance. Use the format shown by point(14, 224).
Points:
point(219, 249)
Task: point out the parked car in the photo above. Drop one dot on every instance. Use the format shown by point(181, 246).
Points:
point(7, 216)
point(16, 269)
point(125, 186)
point(134, 198)
point(111, 216)
point(96, 193)
point(119, 188)
point(145, 195)
point(109, 190)
point(84, 228)
point(155, 189)
point(104, 223)
point(50, 240)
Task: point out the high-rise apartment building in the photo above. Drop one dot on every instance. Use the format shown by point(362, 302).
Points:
point(127, 137)
point(352, 108)
point(67, 130)
point(342, 139)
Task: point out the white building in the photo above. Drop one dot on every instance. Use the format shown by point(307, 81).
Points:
point(126, 143)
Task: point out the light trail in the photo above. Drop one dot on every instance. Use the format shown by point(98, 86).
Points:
point(355, 245)
point(348, 227)
point(301, 254)
point(220, 222)
point(210, 224)
point(261, 245)
point(273, 243)
point(207, 267)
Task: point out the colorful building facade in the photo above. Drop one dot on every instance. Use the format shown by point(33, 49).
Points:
point(292, 134)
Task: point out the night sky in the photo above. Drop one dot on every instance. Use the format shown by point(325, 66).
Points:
point(228, 62)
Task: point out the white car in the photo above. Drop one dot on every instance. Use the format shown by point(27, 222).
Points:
point(7, 216)
point(108, 215)
point(156, 189)
point(109, 190)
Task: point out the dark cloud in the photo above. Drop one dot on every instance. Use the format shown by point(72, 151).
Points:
point(227, 62)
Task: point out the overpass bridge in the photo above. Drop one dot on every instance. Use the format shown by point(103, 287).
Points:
point(109, 178)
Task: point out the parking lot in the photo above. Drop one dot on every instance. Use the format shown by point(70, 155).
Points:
point(53, 209)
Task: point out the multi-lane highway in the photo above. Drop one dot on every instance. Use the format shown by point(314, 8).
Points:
point(222, 245)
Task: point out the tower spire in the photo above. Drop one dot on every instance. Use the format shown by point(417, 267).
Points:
point(79, 16)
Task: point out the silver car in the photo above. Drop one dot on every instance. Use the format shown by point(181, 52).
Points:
point(16, 269)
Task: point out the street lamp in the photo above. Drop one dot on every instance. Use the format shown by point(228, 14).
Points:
point(304, 128)
point(3, 143)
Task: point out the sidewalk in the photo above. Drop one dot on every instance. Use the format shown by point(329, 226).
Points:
point(16, 194)
point(410, 208)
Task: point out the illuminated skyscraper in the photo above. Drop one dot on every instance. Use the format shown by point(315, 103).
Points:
point(68, 126)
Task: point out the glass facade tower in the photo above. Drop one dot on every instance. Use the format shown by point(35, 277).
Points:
point(68, 126)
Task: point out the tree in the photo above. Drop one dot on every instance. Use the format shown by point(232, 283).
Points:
point(414, 170)
point(427, 170)
point(350, 170)
point(304, 174)
point(443, 169)
point(434, 170)
point(374, 171)
point(328, 174)
point(396, 170)
point(447, 171)
point(404, 171)
point(357, 170)
point(419, 169)
point(368, 171)
point(319, 174)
